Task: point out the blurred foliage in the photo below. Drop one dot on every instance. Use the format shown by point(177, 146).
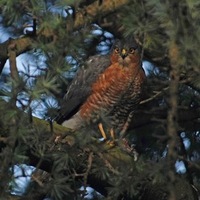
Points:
point(50, 66)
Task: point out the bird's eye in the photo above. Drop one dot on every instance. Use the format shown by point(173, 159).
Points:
point(116, 50)
point(132, 50)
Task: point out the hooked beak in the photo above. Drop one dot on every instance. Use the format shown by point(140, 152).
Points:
point(124, 53)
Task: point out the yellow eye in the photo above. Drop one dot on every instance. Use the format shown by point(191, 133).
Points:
point(116, 50)
point(132, 50)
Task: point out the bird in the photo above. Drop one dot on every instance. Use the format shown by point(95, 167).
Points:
point(106, 91)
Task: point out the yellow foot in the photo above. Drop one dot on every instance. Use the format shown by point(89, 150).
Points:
point(102, 131)
point(110, 143)
point(112, 134)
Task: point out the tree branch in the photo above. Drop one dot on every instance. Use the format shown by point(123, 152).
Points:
point(91, 13)
point(172, 115)
point(84, 17)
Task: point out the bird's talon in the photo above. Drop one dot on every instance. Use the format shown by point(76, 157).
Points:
point(107, 141)
point(112, 90)
point(110, 143)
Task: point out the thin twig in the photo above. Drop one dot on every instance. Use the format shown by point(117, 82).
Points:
point(37, 180)
point(192, 164)
point(90, 158)
point(158, 93)
point(76, 174)
point(154, 96)
point(108, 164)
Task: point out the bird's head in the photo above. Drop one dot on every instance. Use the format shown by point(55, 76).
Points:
point(125, 52)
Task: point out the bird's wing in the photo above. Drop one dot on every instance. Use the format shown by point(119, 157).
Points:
point(80, 87)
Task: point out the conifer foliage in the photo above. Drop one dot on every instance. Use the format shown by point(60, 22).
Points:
point(42, 44)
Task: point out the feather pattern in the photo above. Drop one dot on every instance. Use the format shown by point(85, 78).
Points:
point(108, 90)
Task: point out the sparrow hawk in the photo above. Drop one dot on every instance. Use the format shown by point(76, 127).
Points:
point(106, 91)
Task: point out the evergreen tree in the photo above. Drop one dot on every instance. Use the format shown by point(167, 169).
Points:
point(52, 38)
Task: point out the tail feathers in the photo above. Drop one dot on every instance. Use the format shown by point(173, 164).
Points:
point(73, 123)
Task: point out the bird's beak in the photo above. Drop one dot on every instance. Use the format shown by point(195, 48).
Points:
point(124, 53)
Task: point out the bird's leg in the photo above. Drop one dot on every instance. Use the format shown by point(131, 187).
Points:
point(102, 131)
point(122, 132)
point(112, 134)
point(125, 127)
point(111, 143)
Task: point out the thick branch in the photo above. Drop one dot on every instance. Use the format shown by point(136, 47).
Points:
point(84, 16)
point(92, 12)
point(22, 45)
